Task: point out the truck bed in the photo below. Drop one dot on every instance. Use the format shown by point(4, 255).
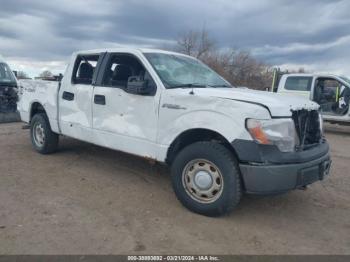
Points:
point(38, 91)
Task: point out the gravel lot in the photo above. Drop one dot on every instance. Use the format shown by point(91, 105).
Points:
point(90, 200)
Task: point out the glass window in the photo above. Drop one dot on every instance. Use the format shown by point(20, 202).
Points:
point(123, 67)
point(84, 69)
point(6, 76)
point(298, 83)
point(331, 83)
point(179, 71)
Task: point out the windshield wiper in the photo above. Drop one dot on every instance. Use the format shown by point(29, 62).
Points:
point(190, 85)
point(219, 86)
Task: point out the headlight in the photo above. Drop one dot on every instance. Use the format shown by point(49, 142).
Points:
point(279, 132)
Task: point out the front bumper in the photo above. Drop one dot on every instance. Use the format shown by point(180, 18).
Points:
point(287, 172)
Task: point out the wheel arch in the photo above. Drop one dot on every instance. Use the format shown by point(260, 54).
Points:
point(194, 135)
point(35, 108)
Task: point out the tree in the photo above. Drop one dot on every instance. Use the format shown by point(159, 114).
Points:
point(239, 67)
point(22, 75)
point(301, 70)
point(195, 43)
point(46, 73)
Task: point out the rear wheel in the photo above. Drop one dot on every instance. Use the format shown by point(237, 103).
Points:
point(43, 139)
point(206, 178)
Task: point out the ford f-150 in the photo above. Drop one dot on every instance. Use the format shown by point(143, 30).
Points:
point(220, 141)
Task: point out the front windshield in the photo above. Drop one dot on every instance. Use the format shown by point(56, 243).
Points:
point(347, 80)
point(6, 76)
point(181, 71)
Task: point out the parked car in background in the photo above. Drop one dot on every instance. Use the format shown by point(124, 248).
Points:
point(331, 92)
point(220, 141)
point(8, 88)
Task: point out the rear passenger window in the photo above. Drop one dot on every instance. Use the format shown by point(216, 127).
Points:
point(298, 83)
point(84, 69)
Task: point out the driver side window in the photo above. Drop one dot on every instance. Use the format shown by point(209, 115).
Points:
point(331, 95)
point(326, 90)
point(122, 68)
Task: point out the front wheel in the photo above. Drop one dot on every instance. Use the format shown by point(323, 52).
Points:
point(206, 178)
point(43, 139)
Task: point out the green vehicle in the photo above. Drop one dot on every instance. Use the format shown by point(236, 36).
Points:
point(8, 88)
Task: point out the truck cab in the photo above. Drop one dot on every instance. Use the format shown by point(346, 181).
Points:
point(219, 141)
point(331, 92)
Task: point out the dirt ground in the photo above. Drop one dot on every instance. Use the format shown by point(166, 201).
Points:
point(90, 200)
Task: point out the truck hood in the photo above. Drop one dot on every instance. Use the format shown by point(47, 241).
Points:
point(279, 105)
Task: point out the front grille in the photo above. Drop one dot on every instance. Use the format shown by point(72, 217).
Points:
point(307, 125)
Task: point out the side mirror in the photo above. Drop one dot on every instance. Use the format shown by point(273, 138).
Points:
point(140, 87)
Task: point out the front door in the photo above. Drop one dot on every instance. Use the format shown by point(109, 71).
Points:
point(121, 120)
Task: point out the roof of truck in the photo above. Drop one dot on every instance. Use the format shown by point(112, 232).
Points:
point(127, 49)
point(313, 75)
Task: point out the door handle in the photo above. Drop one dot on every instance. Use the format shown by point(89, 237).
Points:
point(99, 99)
point(68, 96)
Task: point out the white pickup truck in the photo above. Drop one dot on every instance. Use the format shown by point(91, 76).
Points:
point(331, 92)
point(220, 141)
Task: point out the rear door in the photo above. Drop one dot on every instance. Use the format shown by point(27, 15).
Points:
point(75, 96)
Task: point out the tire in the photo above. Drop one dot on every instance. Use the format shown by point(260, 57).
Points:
point(189, 181)
point(47, 142)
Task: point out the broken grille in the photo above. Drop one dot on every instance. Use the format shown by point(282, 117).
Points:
point(308, 128)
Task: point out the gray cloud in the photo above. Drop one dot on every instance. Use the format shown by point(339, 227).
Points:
point(312, 33)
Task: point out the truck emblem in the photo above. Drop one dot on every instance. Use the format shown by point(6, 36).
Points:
point(173, 106)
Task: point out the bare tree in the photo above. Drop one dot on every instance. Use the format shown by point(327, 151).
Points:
point(22, 75)
point(239, 67)
point(195, 43)
point(46, 73)
point(301, 70)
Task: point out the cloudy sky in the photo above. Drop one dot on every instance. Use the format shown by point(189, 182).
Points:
point(36, 35)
